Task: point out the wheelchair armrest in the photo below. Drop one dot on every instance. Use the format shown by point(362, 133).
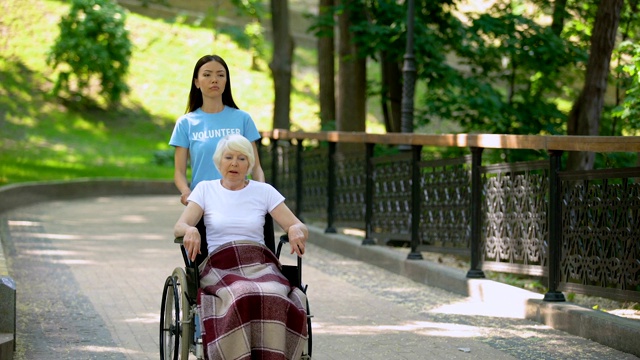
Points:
point(283, 240)
point(185, 256)
point(292, 273)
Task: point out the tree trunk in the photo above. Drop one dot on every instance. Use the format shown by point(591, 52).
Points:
point(559, 14)
point(281, 63)
point(391, 96)
point(351, 82)
point(584, 118)
point(326, 70)
point(351, 79)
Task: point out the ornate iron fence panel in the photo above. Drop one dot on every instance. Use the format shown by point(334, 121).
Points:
point(350, 189)
point(445, 221)
point(601, 233)
point(315, 177)
point(392, 197)
point(515, 209)
point(580, 229)
point(287, 172)
point(265, 161)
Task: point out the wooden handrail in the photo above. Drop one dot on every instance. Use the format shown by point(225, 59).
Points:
point(489, 141)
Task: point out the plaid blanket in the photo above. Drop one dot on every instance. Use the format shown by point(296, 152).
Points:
point(247, 308)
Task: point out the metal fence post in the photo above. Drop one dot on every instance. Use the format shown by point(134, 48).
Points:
point(475, 272)
point(416, 201)
point(368, 195)
point(274, 163)
point(555, 227)
point(261, 155)
point(299, 179)
point(331, 187)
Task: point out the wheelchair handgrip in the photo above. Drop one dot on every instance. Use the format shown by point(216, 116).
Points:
point(283, 239)
point(183, 250)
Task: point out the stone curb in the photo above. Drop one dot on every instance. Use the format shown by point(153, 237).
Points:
point(24, 194)
point(609, 330)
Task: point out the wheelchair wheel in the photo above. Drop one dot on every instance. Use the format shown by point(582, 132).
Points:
point(187, 319)
point(169, 321)
point(176, 324)
point(307, 354)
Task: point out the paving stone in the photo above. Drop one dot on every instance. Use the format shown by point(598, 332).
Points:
point(90, 272)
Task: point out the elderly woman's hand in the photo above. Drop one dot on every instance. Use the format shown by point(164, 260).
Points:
point(191, 242)
point(297, 239)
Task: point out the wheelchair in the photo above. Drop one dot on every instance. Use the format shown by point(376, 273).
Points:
point(178, 313)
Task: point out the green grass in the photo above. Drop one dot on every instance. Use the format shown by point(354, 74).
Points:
point(46, 138)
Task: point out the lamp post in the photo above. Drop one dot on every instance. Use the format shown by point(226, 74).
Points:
point(409, 75)
point(408, 87)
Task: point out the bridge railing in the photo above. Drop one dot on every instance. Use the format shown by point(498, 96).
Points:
point(580, 230)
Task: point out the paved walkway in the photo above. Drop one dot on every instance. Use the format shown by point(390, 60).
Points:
point(90, 272)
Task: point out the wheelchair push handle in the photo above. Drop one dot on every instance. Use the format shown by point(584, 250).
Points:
point(284, 239)
point(298, 269)
point(185, 256)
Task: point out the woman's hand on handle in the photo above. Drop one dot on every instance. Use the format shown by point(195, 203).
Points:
point(191, 243)
point(297, 238)
point(295, 229)
point(185, 227)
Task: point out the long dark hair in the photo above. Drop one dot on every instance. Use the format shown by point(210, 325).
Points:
point(195, 95)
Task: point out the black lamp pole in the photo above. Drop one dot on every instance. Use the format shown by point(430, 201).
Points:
point(409, 73)
point(408, 87)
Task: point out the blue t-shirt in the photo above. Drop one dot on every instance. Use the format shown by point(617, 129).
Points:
point(200, 132)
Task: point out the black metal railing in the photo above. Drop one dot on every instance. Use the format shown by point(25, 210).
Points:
point(578, 229)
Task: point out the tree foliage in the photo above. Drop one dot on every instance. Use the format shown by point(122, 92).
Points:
point(515, 67)
point(252, 35)
point(625, 115)
point(629, 110)
point(93, 44)
point(516, 70)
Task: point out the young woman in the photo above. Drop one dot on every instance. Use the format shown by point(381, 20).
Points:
point(211, 114)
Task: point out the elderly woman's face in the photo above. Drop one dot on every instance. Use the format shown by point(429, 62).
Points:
point(234, 165)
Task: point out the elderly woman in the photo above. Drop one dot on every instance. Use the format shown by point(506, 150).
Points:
point(247, 307)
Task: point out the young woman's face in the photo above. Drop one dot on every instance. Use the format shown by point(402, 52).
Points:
point(234, 165)
point(212, 79)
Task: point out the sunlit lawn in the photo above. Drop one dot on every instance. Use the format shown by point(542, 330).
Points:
point(44, 138)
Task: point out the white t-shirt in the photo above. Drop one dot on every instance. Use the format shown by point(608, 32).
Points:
point(234, 215)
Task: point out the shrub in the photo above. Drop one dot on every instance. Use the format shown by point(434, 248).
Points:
point(93, 45)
